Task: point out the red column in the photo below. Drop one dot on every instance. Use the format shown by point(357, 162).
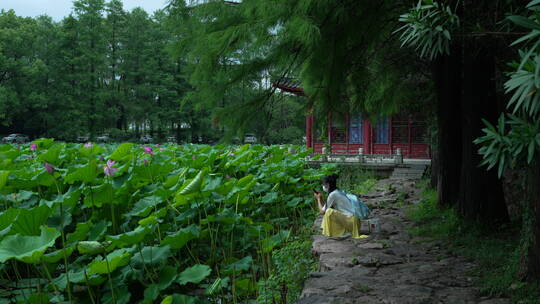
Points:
point(390, 131)
point(330, 129)
point(410, 138)
point(367, 137)
point(347, 127)
point(309, 129)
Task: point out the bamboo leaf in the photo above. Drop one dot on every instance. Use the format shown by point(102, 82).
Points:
point(524, 22)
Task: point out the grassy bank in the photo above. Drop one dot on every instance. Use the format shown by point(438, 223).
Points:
point(290, 268)
point(496, 251)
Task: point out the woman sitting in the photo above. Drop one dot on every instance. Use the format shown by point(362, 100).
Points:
point(341, 215)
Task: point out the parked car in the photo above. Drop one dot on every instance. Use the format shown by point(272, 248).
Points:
point(146, 139)
point(171, 139)
point(83, 139)
point(103, 138)
point(250, 139)
point(15, 138)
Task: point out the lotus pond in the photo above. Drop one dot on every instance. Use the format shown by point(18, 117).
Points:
point(155, 224)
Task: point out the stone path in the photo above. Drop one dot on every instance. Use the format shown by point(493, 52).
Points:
point(390, 266)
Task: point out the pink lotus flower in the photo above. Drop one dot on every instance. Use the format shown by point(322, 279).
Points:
point(33, 147)
point(48, 167)
point(108, 169)
point(161, 149)
point(148, 150)
point(88, 145)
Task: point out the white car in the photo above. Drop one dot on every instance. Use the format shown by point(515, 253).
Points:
point(250, 139)
point(103, 138)
point(15, 138)
point(146, 139)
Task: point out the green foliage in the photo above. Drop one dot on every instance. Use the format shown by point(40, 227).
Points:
point(434, 221)
point(428, 29)
point(95, 71)
point(356, 181)
point(495, 249)
point(515, 141)
point(292, 265)
point(89, 234)
point(334, 48)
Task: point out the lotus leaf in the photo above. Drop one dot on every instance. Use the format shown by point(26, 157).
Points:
point(52, 155)
point(91, 247)
point(151, 255)
point(122, 296)
point(180, 238)
point(167, 277)
point(20, 196)
point(27, 248)
point(270, 197)
point(239, 266)
point(149, 221)
point(43, 179)
point(99, 195)
point(122, 152)
point(194, 274)
point(78, 277)
point(98, 230)
point(151, 293)
point(115, 259)
point(80, 232)
point(7, 218)
point(29, 221)
point(3, 178)
point(275, 240)
point(55, 256)
point(195, 184)
point(85, 173)
point(144, 206)
point(129, 238)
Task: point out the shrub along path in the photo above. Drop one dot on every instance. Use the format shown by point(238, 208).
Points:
point(390, 266)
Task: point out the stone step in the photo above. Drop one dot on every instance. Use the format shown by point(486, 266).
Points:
point(411, 172)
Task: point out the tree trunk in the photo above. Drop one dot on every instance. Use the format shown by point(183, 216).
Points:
point(447, 75)
point(530, 259)
point(481, 196)
point(434, 167)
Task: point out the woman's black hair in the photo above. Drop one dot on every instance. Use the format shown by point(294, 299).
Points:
point(331, 180)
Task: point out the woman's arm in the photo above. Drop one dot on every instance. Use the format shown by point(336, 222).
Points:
point(320, 202)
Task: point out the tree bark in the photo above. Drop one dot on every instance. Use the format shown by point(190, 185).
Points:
point(481, 196)
point(447, 75)
point(530, 263)
point(434, 167)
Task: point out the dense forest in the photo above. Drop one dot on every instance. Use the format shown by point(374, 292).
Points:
point(106, 70)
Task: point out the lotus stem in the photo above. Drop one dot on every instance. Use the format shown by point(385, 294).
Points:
point(49, 277)
point(88, 287)
point(70, 296)
point(110, 278)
